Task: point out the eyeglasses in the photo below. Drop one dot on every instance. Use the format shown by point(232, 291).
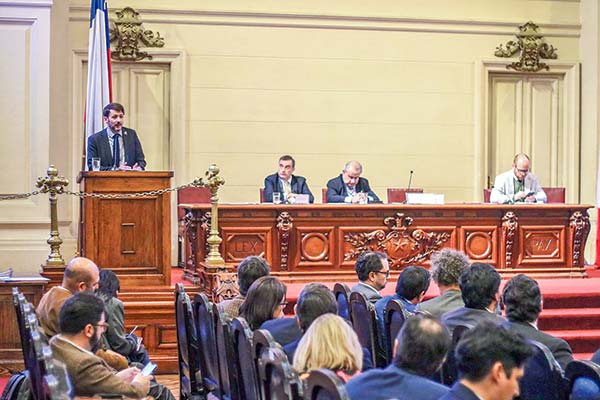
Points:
point(104, 326)
point(523, 171)
point(386, 273)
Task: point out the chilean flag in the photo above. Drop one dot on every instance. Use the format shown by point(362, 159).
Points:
point(99, 79)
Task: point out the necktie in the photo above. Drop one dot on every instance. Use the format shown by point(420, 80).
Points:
point(287, 188)
point(116, 151)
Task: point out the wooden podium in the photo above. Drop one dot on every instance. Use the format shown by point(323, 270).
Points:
point(131, 236)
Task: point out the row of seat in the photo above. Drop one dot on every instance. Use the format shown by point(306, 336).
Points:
point(47, 377)
point(225, 358)
point(580, 379)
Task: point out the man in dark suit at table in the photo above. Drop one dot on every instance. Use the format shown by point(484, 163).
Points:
point(349, 187)
point(285, 183)
point(523, 303)
point(117, 147)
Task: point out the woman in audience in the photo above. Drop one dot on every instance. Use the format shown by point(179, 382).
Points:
point(329, 342)
point(115, 339)
point(265, 300)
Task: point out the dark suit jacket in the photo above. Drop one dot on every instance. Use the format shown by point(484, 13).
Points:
point(460, 392)
point(469, 316)
point(283, 330)
point(336, 190)
point(299, 186)
point(393, 383)
point(90, 375)
point(560, 348)
point(99, 147)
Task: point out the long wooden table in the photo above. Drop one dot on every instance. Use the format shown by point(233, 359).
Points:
point(321, 242)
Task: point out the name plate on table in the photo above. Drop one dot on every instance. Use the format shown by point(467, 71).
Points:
point(299, 199)
point(424, 198)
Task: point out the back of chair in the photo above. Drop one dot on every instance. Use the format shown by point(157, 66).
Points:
point(205, 330)
point(261, 195)
point(393, 319)
point(398, 195)
point(341, 291)
point(324, 195)
point(324, 384)
point(555, 194)
point(244, 360)
point(262, 339)
point(225, 353)
point(191, 195)
point(364, 323)
point(280, 380)
point(584, 378)
point(542, 368)
point(449, 370)
point(28, 350)
point(487, 193)
point(190, 377)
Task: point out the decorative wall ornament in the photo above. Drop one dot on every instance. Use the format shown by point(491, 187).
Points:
point(403, 246)
point(532, 47)
point(128, 33)
point(509, 234)
point(284, 226)
point(579, 223)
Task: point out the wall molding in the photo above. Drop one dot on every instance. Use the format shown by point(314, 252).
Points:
point(335, 21)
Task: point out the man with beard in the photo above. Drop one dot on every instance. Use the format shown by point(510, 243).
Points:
point(82, 322)
point(373, 270)
point(117, 147)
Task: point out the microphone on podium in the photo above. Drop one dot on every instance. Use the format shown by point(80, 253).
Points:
point(408, 188)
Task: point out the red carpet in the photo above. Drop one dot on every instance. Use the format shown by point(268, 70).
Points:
point(3, 382)
point(571, 307)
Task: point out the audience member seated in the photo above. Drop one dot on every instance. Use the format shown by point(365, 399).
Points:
point(285, 183)
point(447, 265)
point(523, 305)
point(329, 342)
point(412, 284)
point(349, 187)
point(315, 299)
point(265, 300)
point(419, 349)
point(373, 269)
point(115, 338)
point(250, 269)
point(82, 322)
point(479, 287)
point(490, 361)
point(81, 275)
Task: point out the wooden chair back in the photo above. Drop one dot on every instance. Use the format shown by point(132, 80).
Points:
point(324, 195)
point(393, 319)
point(324, 384)
point(398, 195)
point(280, 380)
point(542, 367)
point(341, 291)
point(228, 380)
point(364, 322)
point(207, 344)
point(244, 360)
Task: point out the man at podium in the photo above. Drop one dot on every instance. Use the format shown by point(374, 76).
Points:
point(349, 187)
point(115, 147)
point(517, 185)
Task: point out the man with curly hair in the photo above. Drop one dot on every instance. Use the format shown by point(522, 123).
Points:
point(447, 266)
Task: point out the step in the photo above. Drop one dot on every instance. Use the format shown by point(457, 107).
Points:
point(576, 299)
point(569, 319)
point(581, 341)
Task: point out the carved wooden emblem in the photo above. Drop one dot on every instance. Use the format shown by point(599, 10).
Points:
point(579, 223)
point(530, 43)
point(284, 226)
point(509, 233)
point(128, 34)
point(226, 286)
point(402, 245)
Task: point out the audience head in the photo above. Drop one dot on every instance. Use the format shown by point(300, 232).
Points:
point(522, 299)
point(250, 269)
point(412, 283)
point(264, 301)
point(421, 345)
point(447, 265)
point(372, 268)
point(492, 357)
point(479, 286)
point(82, 316)
point(287, 166)
point(109, 285)
point(330, 342)
point(314, 300)
point(351, 173)
point(81, 275)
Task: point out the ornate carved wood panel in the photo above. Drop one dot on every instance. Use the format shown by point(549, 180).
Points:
point(542, 245)
point(241, 242)
point(480, 243)
point(317, 247)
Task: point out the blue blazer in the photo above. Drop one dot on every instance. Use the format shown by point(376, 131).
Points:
point(299, 186)
point(283, 330)
point(393, 383)
point(336, 190)
point(99, 147)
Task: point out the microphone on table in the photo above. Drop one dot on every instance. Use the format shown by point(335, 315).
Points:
point(408, 188)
